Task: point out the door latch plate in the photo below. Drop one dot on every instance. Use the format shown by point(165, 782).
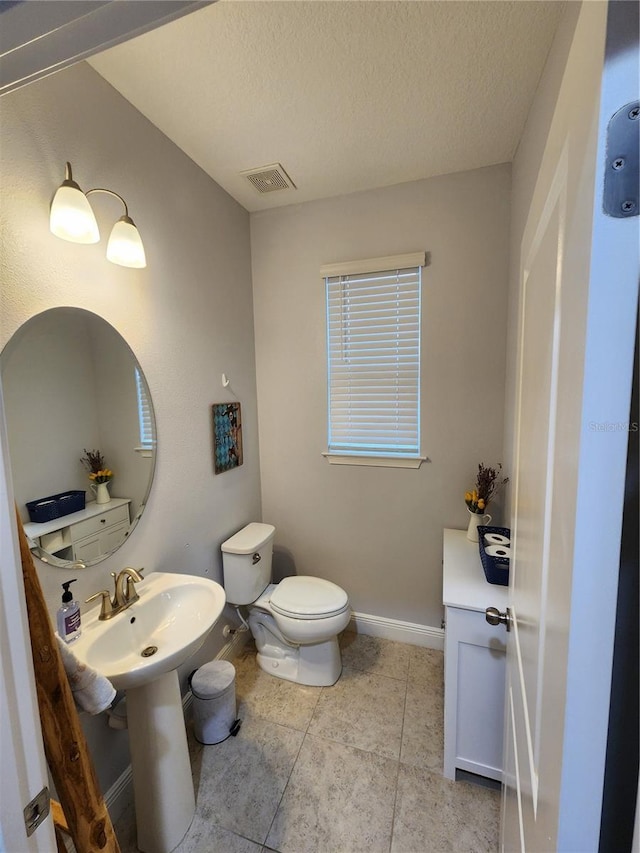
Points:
point(621, 187)
point(36, 811)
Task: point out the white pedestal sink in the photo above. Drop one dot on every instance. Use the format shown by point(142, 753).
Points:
point(139, 651)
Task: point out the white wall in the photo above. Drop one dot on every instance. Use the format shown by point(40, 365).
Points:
point(117, 401)
point(378, 531)
point(188, 317)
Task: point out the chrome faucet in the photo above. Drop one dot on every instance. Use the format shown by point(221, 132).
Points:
point(125, 593)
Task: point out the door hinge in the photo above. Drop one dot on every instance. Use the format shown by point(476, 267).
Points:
point(37, 810)
point(621, 188)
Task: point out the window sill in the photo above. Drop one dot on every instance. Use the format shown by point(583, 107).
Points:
point(375, 461)
point(144, 451)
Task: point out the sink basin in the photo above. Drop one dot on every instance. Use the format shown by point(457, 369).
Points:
point(154, 635)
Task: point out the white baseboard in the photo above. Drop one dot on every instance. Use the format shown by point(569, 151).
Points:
point(120, 794)
point(394, 629)
point(235, 646)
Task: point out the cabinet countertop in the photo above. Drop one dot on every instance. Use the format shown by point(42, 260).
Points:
point(34, 529)
point(464, 584)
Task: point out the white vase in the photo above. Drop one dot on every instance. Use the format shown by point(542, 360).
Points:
point(101, 491)
point(476, 518)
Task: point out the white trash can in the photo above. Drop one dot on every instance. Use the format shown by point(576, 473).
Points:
point(214, 702)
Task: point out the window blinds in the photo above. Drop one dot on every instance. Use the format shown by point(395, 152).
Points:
point(373, 345)
point(145, 415)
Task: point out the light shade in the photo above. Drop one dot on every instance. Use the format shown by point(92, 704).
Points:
point(125, 246)
point(71, 216)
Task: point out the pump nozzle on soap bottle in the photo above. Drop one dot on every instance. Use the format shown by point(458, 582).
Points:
point(69, 615)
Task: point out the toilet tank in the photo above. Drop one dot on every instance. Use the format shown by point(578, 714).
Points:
point(246, 562)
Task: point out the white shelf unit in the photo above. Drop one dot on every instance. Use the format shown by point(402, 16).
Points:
point(87, 534)
point(474, 657)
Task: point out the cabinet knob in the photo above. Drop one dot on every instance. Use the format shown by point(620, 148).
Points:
point(103, 521)
point(494, 617)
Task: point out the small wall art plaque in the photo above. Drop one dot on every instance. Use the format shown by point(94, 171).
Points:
point(227, 436)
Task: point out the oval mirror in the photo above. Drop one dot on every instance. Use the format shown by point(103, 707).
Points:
point(71, 384)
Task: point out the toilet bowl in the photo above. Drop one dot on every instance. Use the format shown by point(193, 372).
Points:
point(294, 623)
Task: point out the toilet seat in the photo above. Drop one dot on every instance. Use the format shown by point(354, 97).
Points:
point(305, 597)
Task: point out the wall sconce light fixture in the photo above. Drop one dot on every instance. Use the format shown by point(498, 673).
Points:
point(72, 219)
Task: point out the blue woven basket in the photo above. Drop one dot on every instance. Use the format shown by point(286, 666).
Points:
point(55, 506)
point(496, 569)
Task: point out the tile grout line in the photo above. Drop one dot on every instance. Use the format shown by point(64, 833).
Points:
point(320, 737)
point(395, 798)
point(304, 737)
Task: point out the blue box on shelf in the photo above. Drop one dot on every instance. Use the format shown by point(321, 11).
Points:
point(496, 569)
point(56, 506)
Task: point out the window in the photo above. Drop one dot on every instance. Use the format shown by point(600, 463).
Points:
point(145, 414)
point(373, 354)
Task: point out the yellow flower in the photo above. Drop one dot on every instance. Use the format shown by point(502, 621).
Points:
point(101, 476)
point(480, 504)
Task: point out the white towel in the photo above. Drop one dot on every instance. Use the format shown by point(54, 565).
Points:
point(92, 692)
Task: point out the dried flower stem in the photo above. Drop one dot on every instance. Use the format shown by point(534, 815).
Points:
point(488, 482)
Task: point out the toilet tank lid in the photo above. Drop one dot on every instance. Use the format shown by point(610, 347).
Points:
point(250, 539)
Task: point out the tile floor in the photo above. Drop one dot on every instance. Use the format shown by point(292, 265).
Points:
point(345, 769)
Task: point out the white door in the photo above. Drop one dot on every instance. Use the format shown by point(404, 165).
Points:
point(23, 772)
point(578, 299)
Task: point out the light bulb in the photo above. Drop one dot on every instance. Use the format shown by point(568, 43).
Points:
point(71, 216)
point(125, 246)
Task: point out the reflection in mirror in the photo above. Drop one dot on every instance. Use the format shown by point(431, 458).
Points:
point(71, 383)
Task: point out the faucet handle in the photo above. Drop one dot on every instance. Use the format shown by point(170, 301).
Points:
point(106, 610)
point(126, 592)
point(131, 593)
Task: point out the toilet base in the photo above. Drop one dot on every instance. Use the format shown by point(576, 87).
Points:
point(319, 665)
point(315, 664)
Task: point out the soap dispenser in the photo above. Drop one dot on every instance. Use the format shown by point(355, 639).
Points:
point(69, 615)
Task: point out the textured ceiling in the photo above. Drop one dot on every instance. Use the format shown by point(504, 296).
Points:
point(345, 95)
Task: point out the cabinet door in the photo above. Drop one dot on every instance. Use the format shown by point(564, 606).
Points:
point(87, 549)
point(113, 537)
point(101, 543)
point(474, 694)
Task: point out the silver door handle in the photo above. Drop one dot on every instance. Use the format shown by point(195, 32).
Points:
point(494, 617)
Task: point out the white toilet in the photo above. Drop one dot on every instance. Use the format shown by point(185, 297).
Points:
point(295, 623)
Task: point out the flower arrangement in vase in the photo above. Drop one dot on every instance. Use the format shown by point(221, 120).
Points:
point(99, 474)
point(488, 482)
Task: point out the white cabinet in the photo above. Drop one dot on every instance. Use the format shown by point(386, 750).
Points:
point(101, 533)
point(474, 663)
point(85, 535)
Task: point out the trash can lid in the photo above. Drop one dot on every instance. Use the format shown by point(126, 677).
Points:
point(213, 679)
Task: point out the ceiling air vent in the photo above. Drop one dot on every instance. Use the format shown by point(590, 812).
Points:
point(269, 179)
